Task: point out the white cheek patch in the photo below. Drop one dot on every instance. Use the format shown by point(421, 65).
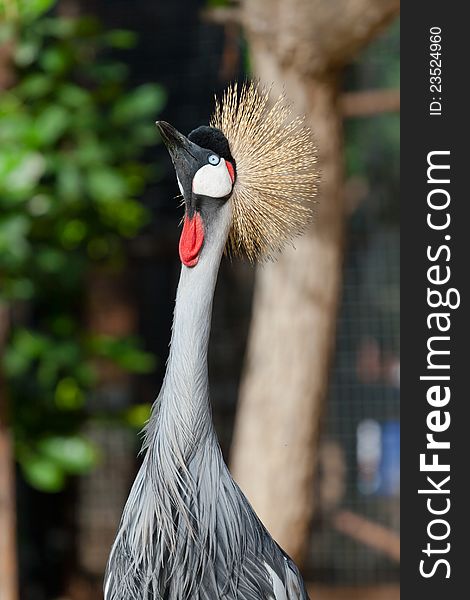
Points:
point(213, 181)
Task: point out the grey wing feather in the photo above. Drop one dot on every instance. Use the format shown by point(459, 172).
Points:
point(214, 548)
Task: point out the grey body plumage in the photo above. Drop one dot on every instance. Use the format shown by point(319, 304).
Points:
point(187, 531)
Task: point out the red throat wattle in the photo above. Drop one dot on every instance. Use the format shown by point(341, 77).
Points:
point(231, 170)
point(191, 240)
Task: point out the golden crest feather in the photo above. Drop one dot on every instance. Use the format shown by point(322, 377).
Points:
point(273, 195)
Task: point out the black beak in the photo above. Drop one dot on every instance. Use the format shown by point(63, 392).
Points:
point(175, 141)
point(184, 156)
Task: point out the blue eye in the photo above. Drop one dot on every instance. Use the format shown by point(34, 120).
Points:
point(213, 159)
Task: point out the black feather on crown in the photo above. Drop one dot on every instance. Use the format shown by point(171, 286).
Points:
point(212, 139)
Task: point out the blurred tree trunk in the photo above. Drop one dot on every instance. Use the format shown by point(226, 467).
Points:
point(8, 561)
point(301, 46)
point(8, 553)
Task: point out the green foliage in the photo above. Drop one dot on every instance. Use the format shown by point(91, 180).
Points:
point(137, 415)
point(218, 3)
point(71, 140)
point(124, 352)
point(26, 10)
point(54, 458)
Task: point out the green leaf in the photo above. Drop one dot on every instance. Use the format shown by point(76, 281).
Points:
point(60, 357)
point(21, 171)
point(52, 123)
point(74, 454)
point(124, 352)
point(42, 473)
point(73, 96)
point(58, 27)
point(39, 205)
point(14, 129)
point(14, 244)
point(15, 363)
point(63, 325)
point(51, 260)
point(137, 415)
point(73, 232)
point(217, 3)
point(36, 7)
point(144, 101)
point(86, 374)
point(120, 38)
point(87, 26)
point(25, 10)
point(29, 343)
point(69, 181)
point(7, 28)
point(68, 395)
point(19, 288)
point(91, 151)
point(136, 361)
point(108, 73)
point(105, 184)
point(127, 216)
point(26, 52)
point(35, 85)
point(55, 60)
point(99, 248)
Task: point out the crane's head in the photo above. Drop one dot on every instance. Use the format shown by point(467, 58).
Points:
point(206, 172)
point(254, 155)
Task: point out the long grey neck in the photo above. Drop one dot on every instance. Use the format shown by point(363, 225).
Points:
point(184, 413)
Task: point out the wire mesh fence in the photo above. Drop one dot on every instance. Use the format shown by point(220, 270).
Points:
point(355, 537)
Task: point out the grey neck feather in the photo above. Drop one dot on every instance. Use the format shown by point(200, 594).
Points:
point(183, 404)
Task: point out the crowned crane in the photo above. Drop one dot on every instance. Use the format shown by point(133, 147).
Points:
point(187, 531)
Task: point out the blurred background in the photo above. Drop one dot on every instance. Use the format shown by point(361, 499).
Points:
point(89, 268)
